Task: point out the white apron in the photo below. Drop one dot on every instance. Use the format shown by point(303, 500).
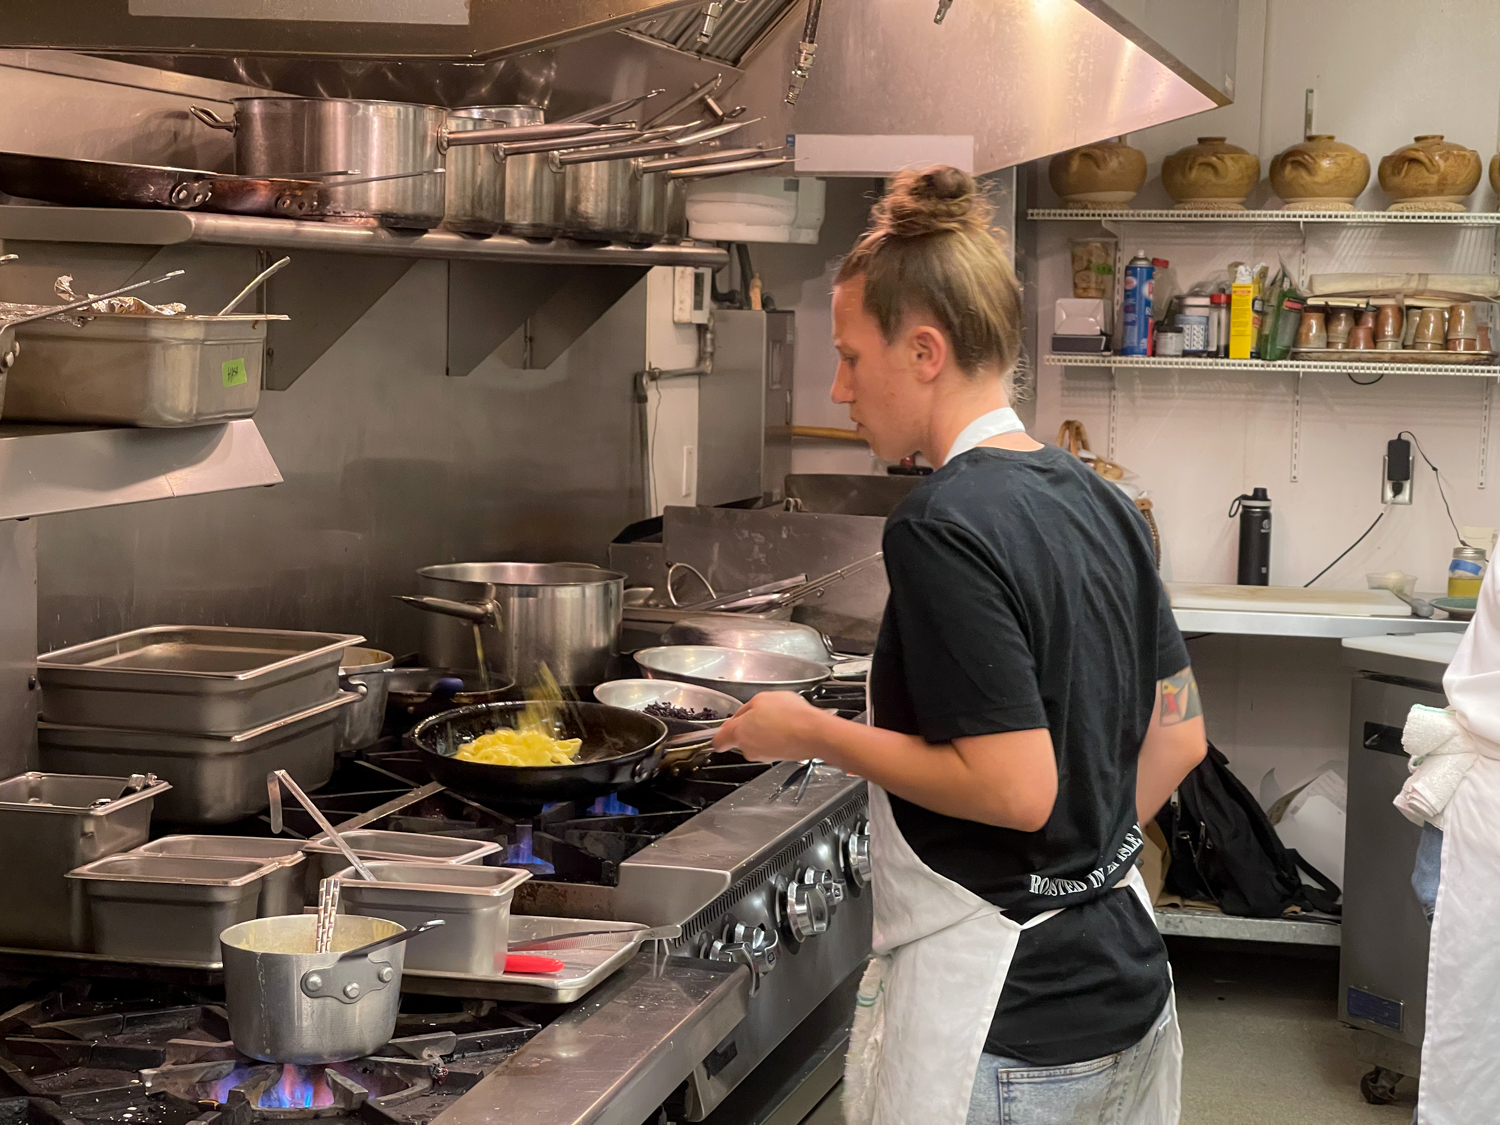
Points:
point(1462, 1042)
point(942, 954)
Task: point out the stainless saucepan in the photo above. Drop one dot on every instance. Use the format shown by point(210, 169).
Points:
point(507, 187)
point(602, 186)
point(401, 143)
point(288, 1004)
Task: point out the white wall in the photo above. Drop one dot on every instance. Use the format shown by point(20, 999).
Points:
point(1383, 72)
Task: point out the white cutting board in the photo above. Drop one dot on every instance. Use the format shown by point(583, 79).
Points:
point(1287, 599)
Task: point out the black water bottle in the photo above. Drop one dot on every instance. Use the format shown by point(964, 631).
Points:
point(1255, 537)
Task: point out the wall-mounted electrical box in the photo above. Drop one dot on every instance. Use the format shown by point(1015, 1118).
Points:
point(692, 287)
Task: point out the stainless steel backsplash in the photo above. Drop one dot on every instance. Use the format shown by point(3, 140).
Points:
point(389, 465)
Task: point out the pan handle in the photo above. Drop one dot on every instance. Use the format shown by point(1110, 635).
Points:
point(608, 109)
point(619, 152)
point(476, 614)
point(703, 173)
point(520, 148)
point(502, 133)
point(723, 156)
point(212, 119)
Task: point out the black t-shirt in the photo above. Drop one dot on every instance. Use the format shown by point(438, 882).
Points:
point(1024, 594)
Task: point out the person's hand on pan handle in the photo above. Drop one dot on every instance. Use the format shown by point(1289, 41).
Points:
point(776, 726)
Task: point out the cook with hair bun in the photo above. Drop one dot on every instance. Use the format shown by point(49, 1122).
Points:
point(1031, 707)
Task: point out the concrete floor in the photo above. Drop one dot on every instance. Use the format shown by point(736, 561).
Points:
point(1261, 1044)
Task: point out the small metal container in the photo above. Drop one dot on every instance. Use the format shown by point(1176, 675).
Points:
point(742, 673)
point(363, 671)
point(281, 889)
point(51, 823)
point(168, 907)
point(199, 679)
point(473, 902)
point(122, 370)
point(396, 847)
point(216, 778)
point(288, 1004)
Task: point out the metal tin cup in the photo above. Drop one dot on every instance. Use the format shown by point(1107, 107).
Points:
point(288, 1004)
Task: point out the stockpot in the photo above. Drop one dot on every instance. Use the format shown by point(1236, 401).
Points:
point(564, 614)
point(400, 143)
point(288, 1004)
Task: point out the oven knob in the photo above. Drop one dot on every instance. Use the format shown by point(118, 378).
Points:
point(857, 854)
point(754, 947)
point(805, 906)
point(832, 888)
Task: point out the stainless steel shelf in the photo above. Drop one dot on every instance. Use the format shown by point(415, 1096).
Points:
point(1258, 623)
point(1407, 218)
point(1289, 366)
point(142, 227)
point(1210, 924)
point(47, 469)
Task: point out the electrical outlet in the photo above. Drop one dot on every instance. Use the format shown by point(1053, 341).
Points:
point(689, 469)
point(1394, 491)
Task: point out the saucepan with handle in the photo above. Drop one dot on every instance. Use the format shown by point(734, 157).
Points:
point(290, 1004)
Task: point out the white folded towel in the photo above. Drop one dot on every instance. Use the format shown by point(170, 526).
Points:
point(1441, 753)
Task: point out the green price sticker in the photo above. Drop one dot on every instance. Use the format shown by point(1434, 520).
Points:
point(234, 372)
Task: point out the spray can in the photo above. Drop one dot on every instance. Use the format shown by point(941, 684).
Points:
point(1136, 306)
point(1255, 537)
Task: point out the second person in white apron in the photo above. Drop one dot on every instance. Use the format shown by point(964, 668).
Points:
point(1032, 705)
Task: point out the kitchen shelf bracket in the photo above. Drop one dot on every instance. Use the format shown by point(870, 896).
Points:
point(1114, 412)
point(1484, 431)
point(1297, 427)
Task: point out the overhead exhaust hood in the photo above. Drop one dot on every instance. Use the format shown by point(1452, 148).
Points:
point(350, 29)
point(1023, 78)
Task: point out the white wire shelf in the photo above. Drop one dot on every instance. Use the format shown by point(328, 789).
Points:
point(1289, 366)
point(1441, 218)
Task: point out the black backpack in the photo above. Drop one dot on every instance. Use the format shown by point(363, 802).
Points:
point(1224, 849)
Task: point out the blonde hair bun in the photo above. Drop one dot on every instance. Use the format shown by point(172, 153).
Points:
point(931, 201)
point(929, 251)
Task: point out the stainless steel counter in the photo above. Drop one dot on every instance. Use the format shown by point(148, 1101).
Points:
point(618, 1054)
point(1265, 624)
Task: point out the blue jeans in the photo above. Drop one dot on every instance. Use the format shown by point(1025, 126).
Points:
point(1105, 1091)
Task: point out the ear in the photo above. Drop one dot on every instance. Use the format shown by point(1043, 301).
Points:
point(928, 348)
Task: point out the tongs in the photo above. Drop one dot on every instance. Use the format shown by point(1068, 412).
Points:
point(805, 770)
point(274, 782)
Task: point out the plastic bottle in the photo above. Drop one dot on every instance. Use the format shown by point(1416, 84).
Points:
point(1254, 511)
point(1135, 306)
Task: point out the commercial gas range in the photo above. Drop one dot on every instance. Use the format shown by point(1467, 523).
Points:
point(767, 887)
